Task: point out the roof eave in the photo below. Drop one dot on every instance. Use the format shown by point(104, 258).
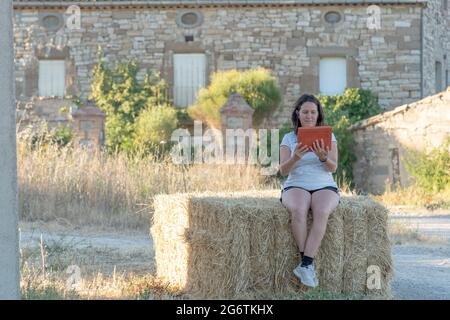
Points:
point(187, 3)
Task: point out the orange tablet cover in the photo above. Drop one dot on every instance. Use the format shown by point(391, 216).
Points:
point(307, 135)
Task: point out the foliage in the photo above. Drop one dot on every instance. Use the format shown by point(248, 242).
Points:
point(42, 136)
point(431, 171)
point(154, 127)
point(257, 86)
point(123, 98)
point(341, 111)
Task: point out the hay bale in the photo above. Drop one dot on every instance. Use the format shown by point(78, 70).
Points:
point(378, 246)
point(330, 257)
point(355, 244)
point(239, 245)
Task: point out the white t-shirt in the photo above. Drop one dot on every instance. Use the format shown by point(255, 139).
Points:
point(308, 172)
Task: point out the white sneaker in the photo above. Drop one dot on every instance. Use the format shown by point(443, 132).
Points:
point(307, 275)
point(297, 271)
point(316, 280)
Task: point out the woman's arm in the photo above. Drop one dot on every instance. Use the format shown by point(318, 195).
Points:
point(287, 161)
point(332, 158)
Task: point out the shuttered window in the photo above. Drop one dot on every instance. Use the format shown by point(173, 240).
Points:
point(52, 75)
point(189, 77)
point(333, 75)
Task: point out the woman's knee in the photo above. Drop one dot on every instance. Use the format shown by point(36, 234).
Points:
point(299, 214)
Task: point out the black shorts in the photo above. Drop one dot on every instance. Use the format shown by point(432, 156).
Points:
point(312, 191)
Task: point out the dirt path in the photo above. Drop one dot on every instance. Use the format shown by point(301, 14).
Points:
point(129, 241)
point(422, 269)
point(421, 272)
point(92, 249)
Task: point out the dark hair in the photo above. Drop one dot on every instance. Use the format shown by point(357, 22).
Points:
point(300, 101)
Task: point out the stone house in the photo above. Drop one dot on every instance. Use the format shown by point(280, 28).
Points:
point(396, 48)
point(381, 142)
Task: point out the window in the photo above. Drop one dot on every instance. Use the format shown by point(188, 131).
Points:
point(438, 76)
point(189, 19)
point(332, 75)
point(332, 17)
point(189, 77)
point(52, 75)
point(51, 21)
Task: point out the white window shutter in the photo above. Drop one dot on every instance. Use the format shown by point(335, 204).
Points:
point(333, 75)
point(189, 77)
point(52, 75)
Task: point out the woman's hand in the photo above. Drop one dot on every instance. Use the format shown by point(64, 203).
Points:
point(319, 149)
point(300, 151)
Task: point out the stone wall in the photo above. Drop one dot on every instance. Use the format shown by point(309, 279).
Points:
point(289, 40)
point(51, 110)
point(436, 45)
point(382, 141)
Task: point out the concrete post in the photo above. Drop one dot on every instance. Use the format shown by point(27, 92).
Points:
point(9, 243)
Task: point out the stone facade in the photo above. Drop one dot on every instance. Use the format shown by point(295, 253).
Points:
point(381, 141)
point(289, 37)
point(50, 109)
point(436, 46)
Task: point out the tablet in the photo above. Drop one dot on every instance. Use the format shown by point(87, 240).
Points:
point(307, 135)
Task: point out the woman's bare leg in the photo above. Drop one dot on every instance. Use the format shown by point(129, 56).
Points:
point(298, 202)
point(323, 203)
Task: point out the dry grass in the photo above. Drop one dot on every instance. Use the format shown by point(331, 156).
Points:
point(81, 188)
point(414, 196)
point(77, 187)
point(34, 286)
point(105, 273)
point(401, 232)
point(104, 277)
point(129, 285)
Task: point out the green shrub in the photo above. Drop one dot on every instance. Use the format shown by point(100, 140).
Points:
point(183, 116)
point(257, 86)
point(154, 127)
point(43, 136)
point(341, 111)
point(62, 135)
point(119, 133)
point(431, 171)
point(123, 98)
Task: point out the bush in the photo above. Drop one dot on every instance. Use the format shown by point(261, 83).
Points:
point(62, 135)
point(122, 97)
point(154, 128)
point(183, 116)
point(431, 171)
point(341, 111)
point(43, 136)
point(257, 87)
point(119, 133)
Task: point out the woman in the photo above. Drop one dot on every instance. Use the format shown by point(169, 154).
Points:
point(310, 184)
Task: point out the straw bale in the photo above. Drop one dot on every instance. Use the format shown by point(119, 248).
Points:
point(235, 245)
